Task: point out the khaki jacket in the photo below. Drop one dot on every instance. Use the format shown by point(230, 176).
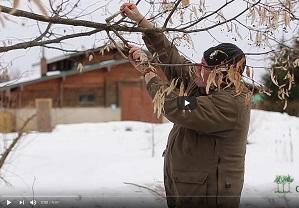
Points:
point(204, 160)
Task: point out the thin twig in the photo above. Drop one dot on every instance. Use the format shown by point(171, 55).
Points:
point(123, 18)
point(116, 46)
point(5, 181)
point(150, 189)
point(171, 13)
point(205, 17)
point(15, 141)
point(33, 43)
point(126, 43)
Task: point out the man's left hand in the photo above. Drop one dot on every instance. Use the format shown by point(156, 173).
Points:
point(139, 60)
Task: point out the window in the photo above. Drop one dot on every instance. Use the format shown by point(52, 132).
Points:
point(87, 99)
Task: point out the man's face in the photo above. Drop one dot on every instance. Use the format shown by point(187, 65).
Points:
point(202, 74)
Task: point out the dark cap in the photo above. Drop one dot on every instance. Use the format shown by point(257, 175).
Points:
point(224, 53)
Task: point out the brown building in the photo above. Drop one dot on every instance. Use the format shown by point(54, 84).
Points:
point(107, 89)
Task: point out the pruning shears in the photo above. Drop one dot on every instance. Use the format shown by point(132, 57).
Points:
point(109, 19)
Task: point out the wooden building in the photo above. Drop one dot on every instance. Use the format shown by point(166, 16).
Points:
point(107, 89)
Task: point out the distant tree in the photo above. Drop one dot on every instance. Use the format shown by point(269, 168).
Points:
point(278, 181)
point(283, 78)
point(289, 180)
point(4, 75)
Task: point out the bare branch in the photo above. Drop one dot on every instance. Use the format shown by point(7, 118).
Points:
point(205, 17)
point(171, 12)
point(34, 43)
point(15, 141)
point(116, 46)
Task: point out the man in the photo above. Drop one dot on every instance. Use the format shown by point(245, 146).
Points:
point(204, 157)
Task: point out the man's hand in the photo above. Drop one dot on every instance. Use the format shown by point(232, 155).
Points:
point(148, 76)
point(139, 60)
point(136, 55)
point(131, 11)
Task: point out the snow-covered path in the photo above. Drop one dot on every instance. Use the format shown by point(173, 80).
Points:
point(95, 162)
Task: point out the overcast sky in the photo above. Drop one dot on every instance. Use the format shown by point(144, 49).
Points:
point(19, 29)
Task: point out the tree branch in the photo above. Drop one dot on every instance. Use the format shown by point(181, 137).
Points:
point(215, 25)
point(34, 43)
point(102, 26)
point(150, 189)
point(116, 46)
point(15, 141)
point(202, 18)
point(171, 13)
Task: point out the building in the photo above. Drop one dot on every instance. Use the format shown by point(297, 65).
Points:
point(107, 89)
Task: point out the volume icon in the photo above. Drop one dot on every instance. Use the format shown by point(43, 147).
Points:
point(33, 202)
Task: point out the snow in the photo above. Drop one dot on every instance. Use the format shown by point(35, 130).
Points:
point(53, 73)
point(19, 80)
point(93, 162)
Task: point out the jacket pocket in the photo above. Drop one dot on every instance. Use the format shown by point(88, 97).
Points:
point(194, 177)
point(191, 188)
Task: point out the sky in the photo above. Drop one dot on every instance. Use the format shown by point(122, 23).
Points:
point(18, 29)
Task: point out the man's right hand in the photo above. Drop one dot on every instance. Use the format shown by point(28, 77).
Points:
point(131, 11)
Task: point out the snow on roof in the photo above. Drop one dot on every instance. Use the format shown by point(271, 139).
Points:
point(101, 49)
point(18, 81)
point(53, 75)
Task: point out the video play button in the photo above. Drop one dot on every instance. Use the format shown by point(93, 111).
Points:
point(186, 103)
point(8, 202)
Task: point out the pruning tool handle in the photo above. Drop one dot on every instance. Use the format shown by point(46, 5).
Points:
point(109, 19)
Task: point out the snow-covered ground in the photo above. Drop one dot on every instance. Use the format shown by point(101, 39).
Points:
point(101, 163)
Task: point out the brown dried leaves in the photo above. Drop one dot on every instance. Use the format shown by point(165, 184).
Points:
point(163, 91)
point(109, 45)
point(185, 3)
point(282, 74)
point(38, 3)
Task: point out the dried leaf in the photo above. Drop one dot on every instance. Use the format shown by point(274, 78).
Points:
point(285, 104)
point(80, 67)
point(41, 7)
point(249, 72)
point(250, 36)
point(171, 87)
point(195, 11)
point(185, 3)
point(287, 19)
point(2, 21)
point(16, 3)
point(240, 64)
point(296, 63)
point(237, 31)
point(211, 79)
point(202, 71)
point(266, 92)
point(252, 15)
point(220, 80)
point(273, 78)
point(90, 57)
point(158, 102)
point(182, 88)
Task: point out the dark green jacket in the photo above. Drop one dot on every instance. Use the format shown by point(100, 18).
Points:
point(206, 147)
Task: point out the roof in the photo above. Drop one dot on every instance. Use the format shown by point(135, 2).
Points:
point(102, 49)
point(87, 68)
